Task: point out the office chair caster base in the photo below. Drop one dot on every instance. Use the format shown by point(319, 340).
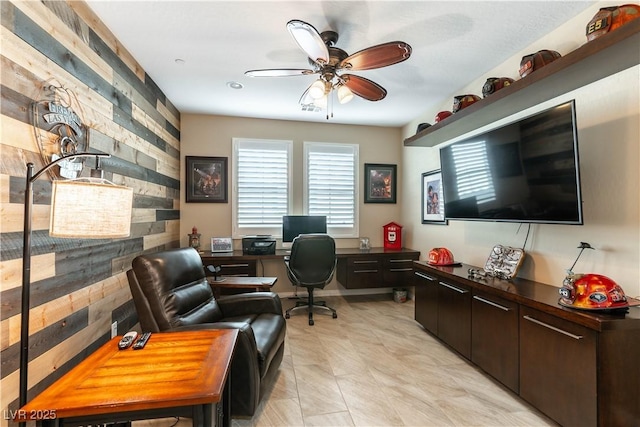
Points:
point(310, 322)
point(287, 316)
point(335, 315)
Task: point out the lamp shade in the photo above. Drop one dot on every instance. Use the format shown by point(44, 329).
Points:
point(90, 208)
point(344, 94)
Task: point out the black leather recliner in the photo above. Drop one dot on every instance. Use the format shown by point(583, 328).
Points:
point(171, 293)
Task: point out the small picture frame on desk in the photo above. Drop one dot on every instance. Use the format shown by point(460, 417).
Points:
point(206, 179)
point(380, 183)
point(433, 198)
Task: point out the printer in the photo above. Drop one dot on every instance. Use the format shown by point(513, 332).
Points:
point(258, 245)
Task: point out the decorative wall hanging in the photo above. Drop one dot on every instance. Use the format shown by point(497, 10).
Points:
point(432, 198)
point(379, 183)
point(206, 179)
point(59, 130)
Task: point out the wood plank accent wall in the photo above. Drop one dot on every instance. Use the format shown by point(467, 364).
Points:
point(79, 287)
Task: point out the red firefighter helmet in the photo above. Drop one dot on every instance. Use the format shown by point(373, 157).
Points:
point(592, 292)
point(609, 18)
point(442, 115)
point(537, 60)
point(440, 256)
point(494, 84)
point(463, 101)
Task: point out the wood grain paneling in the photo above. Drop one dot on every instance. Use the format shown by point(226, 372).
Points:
point(78, 286)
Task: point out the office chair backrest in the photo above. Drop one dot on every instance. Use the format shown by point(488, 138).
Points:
point(170, 289)
point(313, 259)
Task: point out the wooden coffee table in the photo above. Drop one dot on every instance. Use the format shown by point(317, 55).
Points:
point(177, 374)
point(239, 282)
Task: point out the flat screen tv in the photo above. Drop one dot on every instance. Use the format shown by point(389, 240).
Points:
point(526, 171)
point(294, 225)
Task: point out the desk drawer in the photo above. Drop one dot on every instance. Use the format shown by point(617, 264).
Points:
point(364, 273)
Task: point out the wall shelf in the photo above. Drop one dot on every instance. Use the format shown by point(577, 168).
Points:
point(607, 55)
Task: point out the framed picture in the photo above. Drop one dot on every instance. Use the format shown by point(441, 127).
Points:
point(206, 179)
point(379, 183)
point(432, 198)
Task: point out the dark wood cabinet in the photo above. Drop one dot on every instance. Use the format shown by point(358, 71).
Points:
point(454, 316)
point(494, 337)
point(426, 301)
point(558, 368)
point(375, 268)
point(578, 367)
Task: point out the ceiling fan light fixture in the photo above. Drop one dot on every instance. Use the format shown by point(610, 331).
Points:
point(344, 94)
point(317, 89)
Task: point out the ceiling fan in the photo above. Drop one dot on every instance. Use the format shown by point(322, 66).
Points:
point(329, 62)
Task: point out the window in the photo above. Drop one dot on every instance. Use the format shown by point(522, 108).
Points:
point(261, 185)
point(264, 191)
point(331, 173)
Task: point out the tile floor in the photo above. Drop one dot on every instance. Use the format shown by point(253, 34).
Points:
point(375, 366)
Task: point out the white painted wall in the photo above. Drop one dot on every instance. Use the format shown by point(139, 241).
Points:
point(608, 118)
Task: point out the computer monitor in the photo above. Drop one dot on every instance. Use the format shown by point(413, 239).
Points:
point(294, 225)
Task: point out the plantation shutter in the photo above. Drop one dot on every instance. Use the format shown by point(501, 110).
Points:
point(331, 182)
point(262, 185)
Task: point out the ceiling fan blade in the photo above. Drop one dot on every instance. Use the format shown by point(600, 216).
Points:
point(309, 40)
point(279, 72)
point(377, 56)
point(364, 87)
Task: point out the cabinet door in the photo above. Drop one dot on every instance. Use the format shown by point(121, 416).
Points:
point(558, 370)
point(454, 316)
point(494, 337)
point(398, 270)
point(364, 272)
point(426, 301)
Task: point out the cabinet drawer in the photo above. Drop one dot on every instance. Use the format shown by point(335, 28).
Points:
point(558, 370)
point(230, 268)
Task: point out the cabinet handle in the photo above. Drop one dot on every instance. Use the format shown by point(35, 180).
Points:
point(365, 262)
point(365, 271)
point(424, 276)
point(233, 265)
point(546, 325)
point(491, 303)
point(400, 260)
point(400, 269)
point(453, 288)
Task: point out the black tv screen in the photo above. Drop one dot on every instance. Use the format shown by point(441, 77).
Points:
point(294, 225)
point(525, 171)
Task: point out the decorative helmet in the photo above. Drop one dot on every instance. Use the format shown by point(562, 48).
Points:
point(422, 126)
point(463, 101)
point(609, 18)
point(442, 115)
point(494, 84)
point(440, 256)
point(591, 292)
point(537, 60)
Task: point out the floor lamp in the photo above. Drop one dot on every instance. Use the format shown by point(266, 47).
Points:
point(91, 208)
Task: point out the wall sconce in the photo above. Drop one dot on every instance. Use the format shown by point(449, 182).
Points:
point(85, 208)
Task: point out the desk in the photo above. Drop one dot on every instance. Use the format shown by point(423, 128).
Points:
point(356, 269)
point(176, 374)
point(242, 283)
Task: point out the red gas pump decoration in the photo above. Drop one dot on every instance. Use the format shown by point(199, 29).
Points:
point(392, 236)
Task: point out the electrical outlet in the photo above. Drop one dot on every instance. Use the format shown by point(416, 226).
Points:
point(114, 329)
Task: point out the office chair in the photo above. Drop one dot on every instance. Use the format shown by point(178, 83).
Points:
point(311, 265)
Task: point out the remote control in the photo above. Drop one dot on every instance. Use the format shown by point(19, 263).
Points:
point(142, 341)
point(127, 340)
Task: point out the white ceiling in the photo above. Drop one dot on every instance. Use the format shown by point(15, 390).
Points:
point(453, 43)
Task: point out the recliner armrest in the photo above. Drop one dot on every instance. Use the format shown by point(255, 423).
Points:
point(250, 303)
